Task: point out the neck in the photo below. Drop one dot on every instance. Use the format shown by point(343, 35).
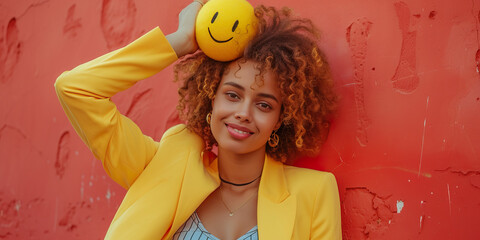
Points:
point(240, 168)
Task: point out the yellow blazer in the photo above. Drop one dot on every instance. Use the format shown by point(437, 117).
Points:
point(168, 180)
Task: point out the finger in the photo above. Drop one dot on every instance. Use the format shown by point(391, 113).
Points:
point(201, 2)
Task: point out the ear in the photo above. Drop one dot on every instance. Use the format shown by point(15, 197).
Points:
point(278, 125)
point(213, 102)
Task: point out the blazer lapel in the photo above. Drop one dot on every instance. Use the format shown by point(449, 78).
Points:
point(276, 207)
point(199, 180)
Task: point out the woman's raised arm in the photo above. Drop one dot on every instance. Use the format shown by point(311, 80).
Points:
point(85, 91)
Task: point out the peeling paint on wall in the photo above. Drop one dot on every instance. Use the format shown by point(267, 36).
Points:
point(371, 213)
point(406, 79)
point(10, 50)
point(357, 35)
point(400, 206)
point(63, 154)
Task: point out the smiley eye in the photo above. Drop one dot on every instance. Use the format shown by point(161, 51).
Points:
point(235, 25)
point(214, 17)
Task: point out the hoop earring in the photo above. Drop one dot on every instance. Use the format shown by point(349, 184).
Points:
point(209, 118)
point(273, 140)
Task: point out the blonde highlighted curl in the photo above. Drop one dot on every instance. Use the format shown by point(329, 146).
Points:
point(287, 46)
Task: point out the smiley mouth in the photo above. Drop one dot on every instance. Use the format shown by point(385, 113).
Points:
point(218, 41)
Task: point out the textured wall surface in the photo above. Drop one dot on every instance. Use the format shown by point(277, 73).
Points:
point(405, 145)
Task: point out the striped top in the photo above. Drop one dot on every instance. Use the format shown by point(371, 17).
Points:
point(193, 229)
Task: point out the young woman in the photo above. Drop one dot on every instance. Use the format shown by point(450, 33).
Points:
point(259, 111)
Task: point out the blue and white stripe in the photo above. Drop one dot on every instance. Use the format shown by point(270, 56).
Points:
point(193, 229)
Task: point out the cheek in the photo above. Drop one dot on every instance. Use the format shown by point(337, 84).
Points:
point(218, 107)
point(220, 110)
point(268, 121)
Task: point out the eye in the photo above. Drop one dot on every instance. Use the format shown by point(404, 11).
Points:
point(232, 96)
point(214, 17)
point(264, 106)
point(235, 25)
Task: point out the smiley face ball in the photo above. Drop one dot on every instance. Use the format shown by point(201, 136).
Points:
point(224, 28)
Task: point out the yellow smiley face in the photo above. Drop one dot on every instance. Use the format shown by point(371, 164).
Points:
point(224, 28)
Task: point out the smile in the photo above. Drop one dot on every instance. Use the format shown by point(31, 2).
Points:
point(241, 132)
point(218, 41)
point(238, 132)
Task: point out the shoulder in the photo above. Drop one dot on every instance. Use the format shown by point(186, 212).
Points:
point(182, 135)
point(302, 175)
point(310, 182)
point(174, 130)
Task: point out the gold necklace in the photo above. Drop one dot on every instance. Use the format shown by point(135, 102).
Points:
point(230, 212)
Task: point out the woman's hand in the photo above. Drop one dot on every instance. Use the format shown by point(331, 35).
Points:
point(183, 40)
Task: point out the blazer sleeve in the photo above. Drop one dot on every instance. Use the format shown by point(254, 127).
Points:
point(326, 220)
point(85, 92)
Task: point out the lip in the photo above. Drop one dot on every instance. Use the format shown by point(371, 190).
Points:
point(233, 130)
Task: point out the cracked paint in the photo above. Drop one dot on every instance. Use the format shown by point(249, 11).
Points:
point(372, 213)
point(400, 206)
point(357, 35)
point(477, 60)
point(10, 51)
point(406, 79)
point(63, 154)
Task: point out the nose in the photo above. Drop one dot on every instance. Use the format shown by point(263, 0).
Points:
point(243, 112)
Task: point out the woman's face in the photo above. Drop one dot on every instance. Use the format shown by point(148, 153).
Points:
point(245, 114)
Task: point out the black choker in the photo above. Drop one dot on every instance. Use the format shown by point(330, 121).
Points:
point(238, 184)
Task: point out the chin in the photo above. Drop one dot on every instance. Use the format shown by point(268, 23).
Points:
point(239, 148)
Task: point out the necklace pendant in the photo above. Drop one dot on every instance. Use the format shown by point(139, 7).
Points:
point(231, 214)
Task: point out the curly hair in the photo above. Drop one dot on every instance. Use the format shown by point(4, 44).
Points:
point(288, 47)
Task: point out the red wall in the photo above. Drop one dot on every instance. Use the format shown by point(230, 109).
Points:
point(407, 131)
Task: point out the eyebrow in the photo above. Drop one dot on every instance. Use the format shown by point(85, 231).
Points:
point(265, 95)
